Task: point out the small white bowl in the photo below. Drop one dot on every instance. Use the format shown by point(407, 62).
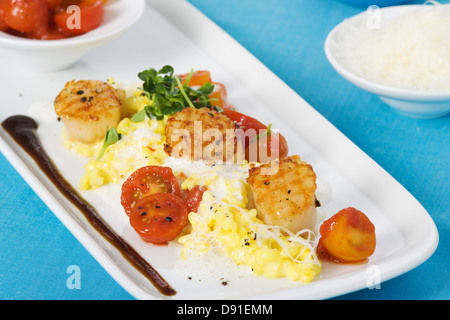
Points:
point(413, 103)
point(54, 55)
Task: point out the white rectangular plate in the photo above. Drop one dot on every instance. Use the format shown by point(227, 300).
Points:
point(173, 32)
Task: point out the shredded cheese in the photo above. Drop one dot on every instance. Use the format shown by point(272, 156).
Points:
point(411, 51)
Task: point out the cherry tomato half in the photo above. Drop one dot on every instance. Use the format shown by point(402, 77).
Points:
point(194, 197)
point(148, 180)
point(348, 236)
point(90, 17)
point(266, 146)
point(159, 217)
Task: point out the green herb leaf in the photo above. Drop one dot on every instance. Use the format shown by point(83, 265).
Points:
point(139, 116)
point(111, 138)
point(206, 89)
point(168, 95)
point(217, 108)
point(183, 93)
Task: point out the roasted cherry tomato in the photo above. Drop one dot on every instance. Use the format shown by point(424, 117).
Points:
point(194, 197)
point(90, 16)
point(27, 16)
point(159, 217)
point(259, 144)
point(148, 180)
point(243, 121)
point(198, 78)
point(348, 236)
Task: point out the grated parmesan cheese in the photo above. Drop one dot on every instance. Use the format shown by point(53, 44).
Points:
point(411, 51)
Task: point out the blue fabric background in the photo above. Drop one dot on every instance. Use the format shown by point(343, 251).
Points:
point(288, 37)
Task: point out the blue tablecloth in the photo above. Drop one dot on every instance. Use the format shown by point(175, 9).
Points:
point(288, 37)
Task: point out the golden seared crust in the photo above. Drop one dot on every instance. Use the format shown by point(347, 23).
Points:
point(286, 196)
point(88, 108)
point(87, 100)
point(200, 134)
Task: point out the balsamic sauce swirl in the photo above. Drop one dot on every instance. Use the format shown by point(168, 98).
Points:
point(23, 130)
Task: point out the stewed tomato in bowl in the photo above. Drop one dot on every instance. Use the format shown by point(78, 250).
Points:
point(50, 19)
point(50, 35)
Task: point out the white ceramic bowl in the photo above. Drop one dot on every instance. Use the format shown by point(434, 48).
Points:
point(414, 103)
point(53, 55)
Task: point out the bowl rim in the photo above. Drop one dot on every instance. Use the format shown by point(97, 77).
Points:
point(374, 87)
point(382, 3)
point(122, 22)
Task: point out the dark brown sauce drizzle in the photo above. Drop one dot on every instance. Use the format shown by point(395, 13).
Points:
point(23, 130)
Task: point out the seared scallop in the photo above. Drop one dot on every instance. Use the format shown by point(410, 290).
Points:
point(200, 134)
point(283, 193)
point(88, 108)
